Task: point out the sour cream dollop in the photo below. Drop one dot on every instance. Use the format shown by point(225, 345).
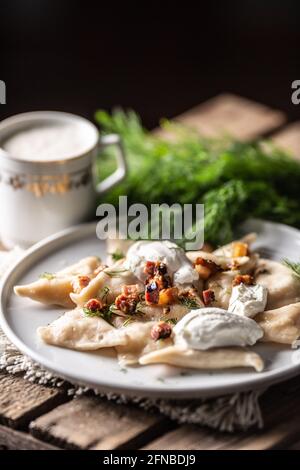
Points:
point(207, 328)
point(248, 300)
point(179, 266)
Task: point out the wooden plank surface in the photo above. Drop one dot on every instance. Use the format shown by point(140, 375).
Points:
point(289, 139)
point(232, 115)
point(21, 401)
point(280, 405)
point(89, 422)
point(16, 440)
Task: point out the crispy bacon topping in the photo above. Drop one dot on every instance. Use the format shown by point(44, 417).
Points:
point(206, 268)
point(149, 268)
point(208, 296)
point(94, 305)
point(79, 283)
point(152, 293)
point(161, 330)
point(128, 299)
point(242, 279)
point(239, 249)
point(168, 296)
point(157, 280)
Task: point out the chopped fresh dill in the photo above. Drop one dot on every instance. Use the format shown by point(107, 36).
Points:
point(139, 306)
point(295, 267)
point(104, 293)
point(189, 302)
point(115, 311)
point(128, 320)
point(104, 313)
point(115, 272)
point(48, 276)
point(172, 321)
point(117, 255)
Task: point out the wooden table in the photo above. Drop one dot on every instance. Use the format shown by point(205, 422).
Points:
point(36, 417)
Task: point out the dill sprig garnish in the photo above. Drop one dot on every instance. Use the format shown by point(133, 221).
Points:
point(117, 255)
point(189, 302)
point(47, 276)
point(139, 306)
point(293, 266)
point(115, 272)
point(127, 321)
point(104, 313)
point(104, 293)
point(172, 321)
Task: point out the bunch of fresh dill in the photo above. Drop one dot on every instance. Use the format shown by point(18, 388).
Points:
point(234, 180)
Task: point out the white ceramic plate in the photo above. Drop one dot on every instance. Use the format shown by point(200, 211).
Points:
point(20, 318)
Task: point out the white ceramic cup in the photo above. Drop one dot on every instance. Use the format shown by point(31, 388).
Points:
point(41, 197)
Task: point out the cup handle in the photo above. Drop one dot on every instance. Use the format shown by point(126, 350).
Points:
point(120, 173)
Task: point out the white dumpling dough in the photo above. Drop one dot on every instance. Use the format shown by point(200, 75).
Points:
point(139, 343)
point(221, 284)
point(104, 280)
point(283, 287)
point(75, 330)
point(223, 358)
point(281, 325)
point(56, 290)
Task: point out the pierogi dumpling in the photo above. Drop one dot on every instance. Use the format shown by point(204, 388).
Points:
point(111, 280)
point(221, 284)
point(283, 287)
point(139, 342)
point(55, 289)
point(281, 325)
point(76, 330)
point(219, 358)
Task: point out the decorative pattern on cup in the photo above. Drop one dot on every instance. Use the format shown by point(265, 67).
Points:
point(40, 185)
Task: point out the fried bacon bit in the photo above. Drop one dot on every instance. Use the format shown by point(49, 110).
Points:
point(161, 330)
point(132, 290)
point(149, 268)
point(205, 268)
point(100, 269)
point(94, 305)
point(152, 293)
point(239, 249)
point(208, 296)
point(127, 301)
point(157, 280)
point(243, 279)
point(168, 296)
point(79, 283)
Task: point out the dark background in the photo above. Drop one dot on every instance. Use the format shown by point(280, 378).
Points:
point(159, 58)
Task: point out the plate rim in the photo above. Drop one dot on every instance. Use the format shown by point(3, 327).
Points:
point(257, 382)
